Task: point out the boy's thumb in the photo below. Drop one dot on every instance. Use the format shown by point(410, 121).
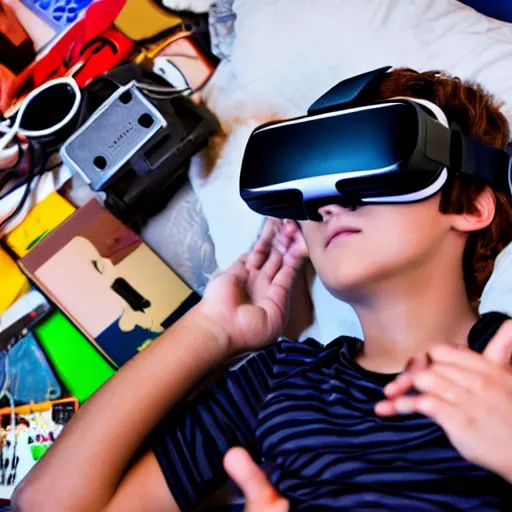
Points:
point(259, 494)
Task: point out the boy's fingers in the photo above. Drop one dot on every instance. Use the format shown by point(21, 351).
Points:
point(298, 244)
point(463, 357)
point(385, 408)
point(445, 387)
point(499, 349)
point(461, 376)
point(274, 262)
point(399, 386)
point(257, 490)
point(448, 415)
point(261, 249)
point(238, 268)
point(293, 260)
point(290, 227)
point(287, 272)
point(404, 382)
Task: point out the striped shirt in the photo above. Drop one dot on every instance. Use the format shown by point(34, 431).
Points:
point(305, 413)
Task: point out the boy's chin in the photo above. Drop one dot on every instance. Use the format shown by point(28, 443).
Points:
point(350, 289)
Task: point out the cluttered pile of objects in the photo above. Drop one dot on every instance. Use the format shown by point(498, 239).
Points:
point(107, 90)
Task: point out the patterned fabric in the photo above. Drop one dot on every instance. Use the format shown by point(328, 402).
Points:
point(305, 412)
point(181, 237)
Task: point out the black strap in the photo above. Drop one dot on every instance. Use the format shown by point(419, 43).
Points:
point(345, 92)
point(481, 161)
point(485, 329)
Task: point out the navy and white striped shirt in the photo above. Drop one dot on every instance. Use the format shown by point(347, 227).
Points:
point(305, 411)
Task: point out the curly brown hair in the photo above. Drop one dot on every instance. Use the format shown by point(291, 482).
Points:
point(478, 115)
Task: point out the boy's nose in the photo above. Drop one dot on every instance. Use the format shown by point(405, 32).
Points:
point(330, 210)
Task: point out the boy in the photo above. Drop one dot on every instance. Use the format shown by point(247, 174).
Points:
point(308, 414)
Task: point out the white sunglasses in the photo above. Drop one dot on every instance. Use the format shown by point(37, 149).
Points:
point(44, 111)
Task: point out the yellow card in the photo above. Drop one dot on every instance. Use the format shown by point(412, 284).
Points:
point(42, 219)
point(14, 282)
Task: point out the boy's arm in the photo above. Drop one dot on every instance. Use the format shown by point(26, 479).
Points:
point(88, 462)
point(243, 309)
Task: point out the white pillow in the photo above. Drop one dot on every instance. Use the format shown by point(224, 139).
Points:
point(287, 53)
point(497, 294)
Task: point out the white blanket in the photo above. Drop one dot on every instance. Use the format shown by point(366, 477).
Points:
point(287, 53)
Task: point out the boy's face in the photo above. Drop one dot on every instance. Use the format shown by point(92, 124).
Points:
point(378, 243)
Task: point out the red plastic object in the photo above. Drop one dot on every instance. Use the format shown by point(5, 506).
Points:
point(101, 54)
point(65, 50)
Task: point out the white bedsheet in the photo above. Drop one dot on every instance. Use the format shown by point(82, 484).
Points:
point(288, 52)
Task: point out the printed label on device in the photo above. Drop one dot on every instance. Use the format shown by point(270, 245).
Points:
point(111, 136)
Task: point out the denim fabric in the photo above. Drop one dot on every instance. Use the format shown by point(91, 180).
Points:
point(31, 378)
point(222, 30)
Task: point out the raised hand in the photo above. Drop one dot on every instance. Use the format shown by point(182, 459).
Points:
point(468, 394)
point(250, 300)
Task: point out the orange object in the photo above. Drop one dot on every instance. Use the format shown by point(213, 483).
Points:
point(42, 406)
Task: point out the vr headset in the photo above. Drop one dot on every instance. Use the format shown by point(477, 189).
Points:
point(394, 151)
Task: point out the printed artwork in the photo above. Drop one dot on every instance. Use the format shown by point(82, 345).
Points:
point(111, 285)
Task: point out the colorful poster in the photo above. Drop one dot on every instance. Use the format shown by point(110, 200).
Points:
point(111, 285)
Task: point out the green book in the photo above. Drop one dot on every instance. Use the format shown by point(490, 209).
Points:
point(81, 368)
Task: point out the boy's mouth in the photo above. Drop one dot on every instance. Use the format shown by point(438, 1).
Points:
point(340, 232)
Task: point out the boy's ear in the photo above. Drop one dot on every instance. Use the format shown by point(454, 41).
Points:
point(484, 208)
